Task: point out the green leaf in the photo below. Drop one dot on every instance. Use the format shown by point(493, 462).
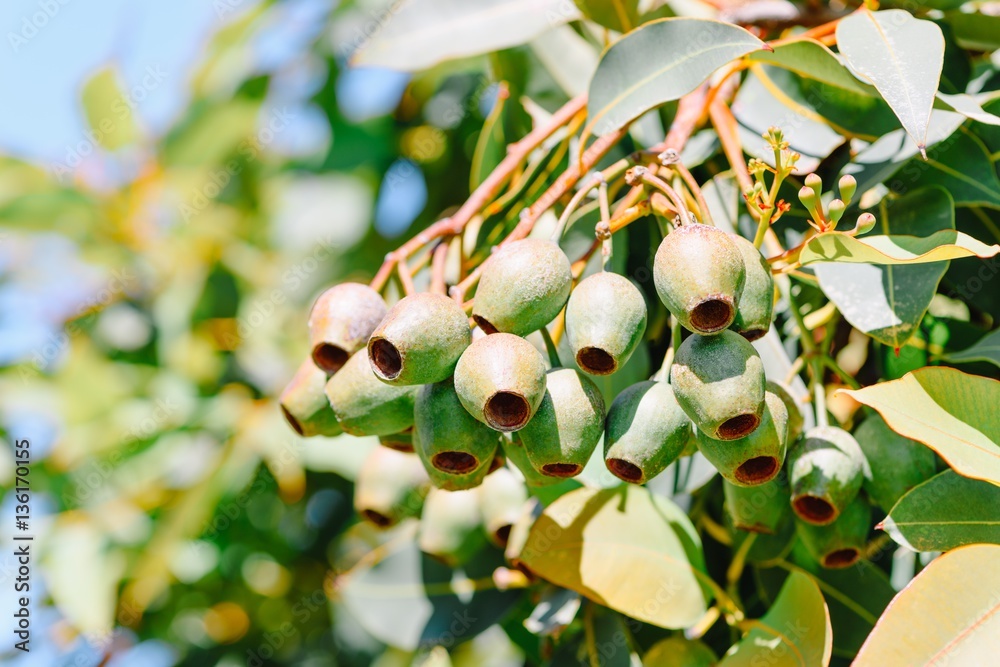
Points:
point(953, 413)
point(620, 15)
point(945, 512)
point(898, 249)
point(986, 349)
point(902, 57)
point(946, 615)
point(813, 60)
point(659, 62)
point(491, 146)
point(409, 600)
point(968, 106)
point(961, 165)
point(975, 30)
point(108, 113)
point(679, 652)
point(569, 58)
point(795, 631)
point(888, 302)
point(423, 33)
point(659, 570)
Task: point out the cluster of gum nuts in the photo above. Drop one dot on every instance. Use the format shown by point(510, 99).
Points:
point(468, 397)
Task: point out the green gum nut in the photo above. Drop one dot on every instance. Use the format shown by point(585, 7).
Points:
point(840, 543)
point(719, 383)
point(451, 526)
point(456, 449)
point(420, 340)
point(757, 458)
point(699, 275)
point(753, 316)
point(645, 431)
point(605, 321)
point(501, 500)
point(401, 442)
point(764, 508)
point(562, 435)
point(796, 421)
point(365, 405)
point(341, 321)
point(304, 404)
point(500, 380)
point(523, 287)
point(826, 469)
point(517, 455)
point(896, 464)
point(390, 487)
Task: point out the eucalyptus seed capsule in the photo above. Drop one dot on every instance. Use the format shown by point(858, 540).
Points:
point(796, 421)
point(341, 321)
point(896, 464)
point(567, 426)
point(305, 406)
point(449, 440)
point(756, 458)
point(365, 405)
point(390, 487)
point(826, 469)
point(401, 442)
point(719, 383)
point(523, 287)
point(451, 526)
point(699, 275)
point(501, 500)
point(420, 340)
point(646, 430)
point(841, 543)
point(759, 509)
point(517, 455)
point(605, 321)
point(500, 380)
point(753, 315)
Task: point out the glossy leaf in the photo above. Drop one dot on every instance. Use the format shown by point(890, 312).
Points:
point(986, 349)
point(659, 573)
point(902, 56)
point(968, 106)
point(948, 614)
point(620, 15)
point(888, 250)
point(945, 512)
point(491, 146)
point(659, 62)
point(811, 59)
point(962, 165)
point(949, 411)
point(975, 30)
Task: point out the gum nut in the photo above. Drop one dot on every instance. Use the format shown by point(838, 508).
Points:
point(645, 431)
point(451, 481)
point(401, 442)
point(365, 405)
point(826, 469)
point(420, 340)
point(500, 380)
point(451, 526)
point(841, 543)
point(756, 306)
point(523, 287)
point(699, 275)
point(759, 509)
point(895, 464)
point(569, 423)
point(517, 455)
point(304, 403)
point(796, 422)
point(501, 500)
point(719, 383)
point(605, 321)
point(341, 321)
point(756, 458)
point(390, 487)
point(448, 439)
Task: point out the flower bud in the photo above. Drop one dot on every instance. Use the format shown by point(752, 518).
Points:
point(896, 464)
point(835, 211)
point(451, 527)
point(420, 340)
point(719, 383)
point(365, 405)
point(500, 380)
point(517, 455)
point(568, 425)
point(841, 543)
point(815, 183)
point(808, 198)
point(305, 406)
point(756, 458)
point(796, 421)
point(523, 287)
point(699, 275)
point(390, 487)
point(645, 432)
point(753, 315)
point(341, 321)
point(457, 449)
point(605, 321)
point(401, 442)
point(501, 500)
point(826, 469)
point(866, 223)
point(759, 509)
point(848, 186)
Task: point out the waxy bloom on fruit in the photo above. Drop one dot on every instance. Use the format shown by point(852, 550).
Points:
point(840, 543)
point(500, 380)
point(365, 405)
point(756, 458)
point(826, 469)
point(762, 509)
point(390, 487)
point(796, 421)
point(753, 315)
point(341, 321)
point(645, 431)
point(304, 404)
point(605, 321)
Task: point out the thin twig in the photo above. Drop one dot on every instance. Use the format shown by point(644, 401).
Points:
point(438, 263)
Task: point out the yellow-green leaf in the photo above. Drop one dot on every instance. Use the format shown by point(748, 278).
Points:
point(949, 614)
point(813, 60)
point(108, 111)
point(986, 349)
point(896, 249)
